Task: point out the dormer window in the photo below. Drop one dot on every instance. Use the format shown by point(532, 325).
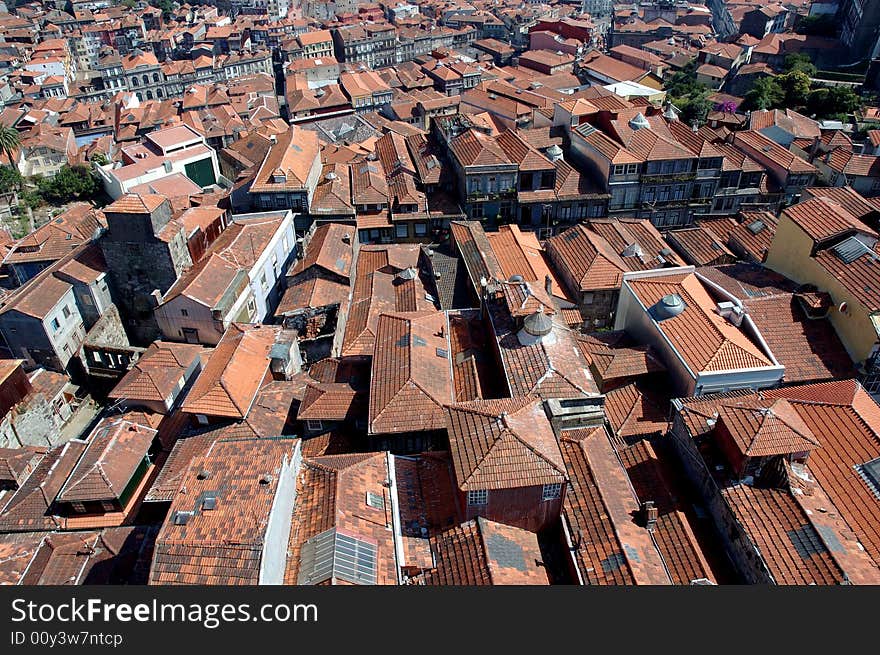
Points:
point(279, 176)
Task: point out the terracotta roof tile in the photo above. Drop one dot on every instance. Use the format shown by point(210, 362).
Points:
point(157, 372)
point(410, 381)
point(337, 390)
point(199, 550)
point(115, 451)
point(786, 541)
point(482, 552)
point(332, 500)
point(29, 507)
point(823, 219)
point(230, 380)
point(673, 532)
point(609, 549)
point(503, 444)
point(706, 341)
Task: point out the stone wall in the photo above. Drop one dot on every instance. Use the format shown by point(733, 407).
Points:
point(136, 271)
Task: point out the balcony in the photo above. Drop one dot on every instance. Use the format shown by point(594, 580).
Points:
point(670, 177)
point(483, 196)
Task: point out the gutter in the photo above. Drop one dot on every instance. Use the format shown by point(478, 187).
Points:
point(395, 518)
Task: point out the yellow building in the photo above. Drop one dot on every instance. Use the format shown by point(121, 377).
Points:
point(819, 242)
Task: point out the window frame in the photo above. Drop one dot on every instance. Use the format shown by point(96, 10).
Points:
point(552, 491)
point(478, 498)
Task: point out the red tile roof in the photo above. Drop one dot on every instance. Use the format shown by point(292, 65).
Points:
point(117, 447)
point(482, 552)
point(783, 536)
point(244, 475)
point(330, 248)
point(676, 540)
point(703, 338)
point(633, 410)
point(612, 357)
point(157, 372)
point(410, 379)
point(503, 444)
point(336, 390)
point(609, 548)
point(29, 507)
point(700, 246)
point(333, 493)
point(230, 380)
point(378, 288)
point(822, 219)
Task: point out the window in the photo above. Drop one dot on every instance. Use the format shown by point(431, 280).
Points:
point(376, 501)
point(478, 497)
point(183, 312)
point(78, 508)
point(264, 283)
point(201, 419)
point(551, 491)
point(401, 231)
point(632, 169)
point(314, 425)
point(477, 211)
point(618, 169)
point(55, 325)
point(108, 506)
point(421, 229)
point(251, 308)
point(588, 298)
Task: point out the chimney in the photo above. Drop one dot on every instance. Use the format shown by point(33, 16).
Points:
point(548, 285)
point(649, 512)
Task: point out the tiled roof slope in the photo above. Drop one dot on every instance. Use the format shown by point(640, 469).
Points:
point(502, 444)
point(332, 494)
point(675, 537)
point(115, 450)
point(230, 380)
point(706, 341)
point(482, 552)
point(410, 380)
point(609, 548)
point(157, 371)
point(222, 545)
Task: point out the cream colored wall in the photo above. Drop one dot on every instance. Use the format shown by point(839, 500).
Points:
point(790, 255)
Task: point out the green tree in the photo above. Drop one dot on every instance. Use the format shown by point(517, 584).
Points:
point(10, 179)
point(10, 140)
point(71, 182)
point(799, 62)
point(99, 158)
point(30, 198)
point(836, 102)
point(688, 95)
point(795, 87)
point(167, 6)
point(842, 101)
point(765, 94)
point(695, 109)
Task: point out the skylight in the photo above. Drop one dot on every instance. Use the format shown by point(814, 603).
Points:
point(332, 555)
